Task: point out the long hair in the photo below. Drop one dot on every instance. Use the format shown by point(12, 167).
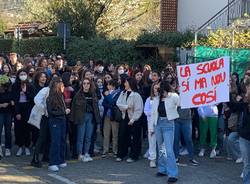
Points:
point(152, 95)
point(92, 89)
point(164, 87)
point(55, 94)
point(132, 83)
point(37, 77)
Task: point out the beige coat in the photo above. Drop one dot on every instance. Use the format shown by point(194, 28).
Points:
point(133, 105)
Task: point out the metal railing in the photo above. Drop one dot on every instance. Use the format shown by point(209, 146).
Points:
point(233, 10)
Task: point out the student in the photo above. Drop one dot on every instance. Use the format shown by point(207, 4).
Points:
point(110, 125)
point(57, 125)
point(131, 105)
point(163, 115)
point(85, 113)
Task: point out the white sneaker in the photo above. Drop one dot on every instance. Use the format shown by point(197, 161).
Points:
point(184, 152)
point(53, 168)
point(63, 165)
point(202, 153)
point(213, 154)
point(87, 158)
point(27, 151)
point(152, 164)
point(146, 155)
point(239, 160)
point(19, 152)
point(7, 152)
point(130, 160)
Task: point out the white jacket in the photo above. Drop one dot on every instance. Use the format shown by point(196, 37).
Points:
point(147, 112)
point(133, 105)
point(172, 101)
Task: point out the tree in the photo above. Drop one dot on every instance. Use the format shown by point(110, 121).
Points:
point(112, 18)
point(2, 26)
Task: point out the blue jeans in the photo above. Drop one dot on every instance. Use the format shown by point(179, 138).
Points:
point(233, 145)
point(183, 127)
point(165, 135)
point(57, 127)
point(5, 120)
point(245, 152)
point(84, 133)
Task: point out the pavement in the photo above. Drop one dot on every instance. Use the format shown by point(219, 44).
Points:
point(15, 170)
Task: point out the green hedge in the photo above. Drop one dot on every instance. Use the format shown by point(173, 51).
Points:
point(46, 45)
point(175, 39)
point(6, 46)
point(115, 51)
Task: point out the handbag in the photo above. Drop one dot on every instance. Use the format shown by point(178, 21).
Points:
point(117, 114)
point(233, 121)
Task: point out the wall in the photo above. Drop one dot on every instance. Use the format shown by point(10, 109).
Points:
point(193, 13)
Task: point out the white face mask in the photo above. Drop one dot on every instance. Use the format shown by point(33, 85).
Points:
point(23, 77)
point(120, 72)
point(150, 76)
point(100, 69)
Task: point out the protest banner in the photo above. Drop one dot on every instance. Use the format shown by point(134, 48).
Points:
point(205, 83)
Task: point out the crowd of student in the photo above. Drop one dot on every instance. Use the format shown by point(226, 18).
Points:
point(57, 110)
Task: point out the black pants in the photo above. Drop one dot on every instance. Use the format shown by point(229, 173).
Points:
point(22, 129)
point(43, 141)
point(129, 136)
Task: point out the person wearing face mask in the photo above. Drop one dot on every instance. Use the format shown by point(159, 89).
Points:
point(23, 98)
point(120, 70)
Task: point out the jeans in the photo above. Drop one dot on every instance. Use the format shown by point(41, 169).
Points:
point(5, 120)
point(57, 127)
point(233, 145)
point(183, 127)
point(165, 135)
point(245, 152)
point(84, 133)
point(221, 130)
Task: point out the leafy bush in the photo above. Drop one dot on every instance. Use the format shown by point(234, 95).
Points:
point(174, 39)
point(6, 46)
point(46, 45)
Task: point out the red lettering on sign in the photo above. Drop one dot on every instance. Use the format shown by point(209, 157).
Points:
point(210, 67)
point(185, 84)
point(219, 78)
point(185, 72)
point(204, 98)
point(200, 83)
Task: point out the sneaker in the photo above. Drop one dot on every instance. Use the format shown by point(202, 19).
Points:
point(159, 174)
point(213, 154)
point(80, 157)
point(103, 155)
point(115, 155)
point(239, 160)
point(194, 162)
point(152, 164)
point(7, 152)
point(87, 158)
point(229, 158)
point(53, 168)
point(202, 153)
point(118, 159)
point(27, 151)
point(184, 152)
point(19, 152)
point(63, 165)
point(130, 160)
point(241, 175)
point(172, 180)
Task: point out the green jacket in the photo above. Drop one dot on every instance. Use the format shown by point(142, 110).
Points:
point(78, 108)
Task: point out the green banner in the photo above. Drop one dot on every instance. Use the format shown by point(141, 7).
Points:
point(240, 58)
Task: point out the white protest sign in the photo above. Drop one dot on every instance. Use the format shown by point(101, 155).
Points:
point(205, 83)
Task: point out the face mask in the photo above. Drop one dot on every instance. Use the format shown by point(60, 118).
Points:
point(150, 76)
point(120, 72)
point(23, 77)
point(100, 69)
